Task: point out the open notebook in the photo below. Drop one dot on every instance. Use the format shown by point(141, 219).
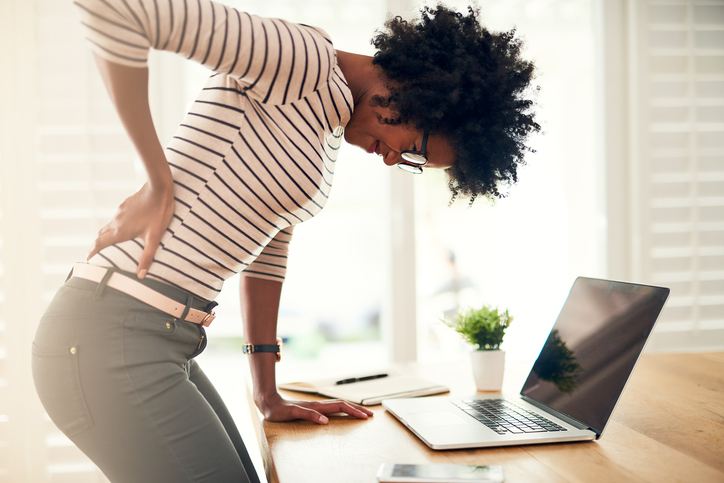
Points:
point(368, 389)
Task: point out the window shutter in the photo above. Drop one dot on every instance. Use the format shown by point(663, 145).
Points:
point(676, 141)
point(67, 164)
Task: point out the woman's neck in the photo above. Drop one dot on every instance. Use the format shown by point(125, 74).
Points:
point(363, 77)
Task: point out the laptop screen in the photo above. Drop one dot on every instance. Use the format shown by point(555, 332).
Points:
point(593, 347)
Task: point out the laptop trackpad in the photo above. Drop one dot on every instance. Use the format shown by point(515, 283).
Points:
point(435, 418)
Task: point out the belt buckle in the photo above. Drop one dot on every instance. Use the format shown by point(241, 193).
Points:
point(206, 321)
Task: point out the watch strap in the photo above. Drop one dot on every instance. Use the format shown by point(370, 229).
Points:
point(254, 348)
point(250, 348)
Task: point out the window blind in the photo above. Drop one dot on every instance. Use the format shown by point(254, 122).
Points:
point(66, 167)
point(676, 108)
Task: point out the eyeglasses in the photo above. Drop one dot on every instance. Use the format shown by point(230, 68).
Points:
point(414, 160)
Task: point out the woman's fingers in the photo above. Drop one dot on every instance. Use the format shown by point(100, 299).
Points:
point(144, 263)
point(299, 412)
point(104, 239)
point(107, 236)
point(155, 227)
point(153, 240)
point(316, 411)
point(340, 406)
point(347, 408)
point(289, 412)
point(146, 214)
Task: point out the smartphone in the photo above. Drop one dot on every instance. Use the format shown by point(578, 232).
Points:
point(439, 473)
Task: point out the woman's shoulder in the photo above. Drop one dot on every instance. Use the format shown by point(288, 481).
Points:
point(301, 59)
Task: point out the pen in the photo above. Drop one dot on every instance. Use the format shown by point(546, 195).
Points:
point(360, 379)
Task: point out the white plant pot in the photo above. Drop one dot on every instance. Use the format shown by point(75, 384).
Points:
point(488, 368)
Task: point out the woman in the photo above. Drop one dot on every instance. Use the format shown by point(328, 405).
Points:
point(113, 356)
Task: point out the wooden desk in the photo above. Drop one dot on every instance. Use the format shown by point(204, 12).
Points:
point(668, 426)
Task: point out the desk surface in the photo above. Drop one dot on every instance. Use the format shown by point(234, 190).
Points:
point(668, 426)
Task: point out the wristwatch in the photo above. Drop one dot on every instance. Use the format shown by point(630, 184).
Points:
point(252, 349)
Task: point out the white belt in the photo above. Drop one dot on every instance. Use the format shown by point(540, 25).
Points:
point(143, 293)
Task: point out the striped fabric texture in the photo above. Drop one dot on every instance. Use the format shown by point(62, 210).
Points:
point(256, 153)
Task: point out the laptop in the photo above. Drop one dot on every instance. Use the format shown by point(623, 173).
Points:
point(573, 387)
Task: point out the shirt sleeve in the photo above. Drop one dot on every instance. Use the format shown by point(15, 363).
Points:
point(271, 264)
point(277, 61)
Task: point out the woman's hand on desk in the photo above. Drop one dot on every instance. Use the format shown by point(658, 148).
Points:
point(276, 408)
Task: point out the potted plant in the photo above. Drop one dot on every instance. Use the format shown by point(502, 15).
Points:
point(484, 329)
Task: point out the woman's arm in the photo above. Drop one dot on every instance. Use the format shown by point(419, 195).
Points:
point(274, 60)
point(147, 213)
point(259, 309)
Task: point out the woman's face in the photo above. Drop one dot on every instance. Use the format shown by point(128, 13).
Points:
point(365, 131)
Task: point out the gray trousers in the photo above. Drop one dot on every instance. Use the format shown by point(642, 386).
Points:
point(118, 378)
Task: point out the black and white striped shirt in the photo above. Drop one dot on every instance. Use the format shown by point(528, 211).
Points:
point(256, 153)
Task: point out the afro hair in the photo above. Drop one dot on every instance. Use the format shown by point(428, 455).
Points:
point(452, 77)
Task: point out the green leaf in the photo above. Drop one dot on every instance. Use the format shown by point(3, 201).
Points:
point(483, 328)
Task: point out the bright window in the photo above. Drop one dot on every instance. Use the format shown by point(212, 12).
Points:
point(524, 252)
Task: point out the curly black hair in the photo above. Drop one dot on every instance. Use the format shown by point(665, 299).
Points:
point(452, 77)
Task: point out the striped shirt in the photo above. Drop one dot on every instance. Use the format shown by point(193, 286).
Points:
point(256, 153)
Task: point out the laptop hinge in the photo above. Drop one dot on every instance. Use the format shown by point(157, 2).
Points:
point(573, 422)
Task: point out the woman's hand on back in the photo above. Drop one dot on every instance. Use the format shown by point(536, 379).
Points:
point(145, 215)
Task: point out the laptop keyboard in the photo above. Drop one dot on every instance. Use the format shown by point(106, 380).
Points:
point(505, 417)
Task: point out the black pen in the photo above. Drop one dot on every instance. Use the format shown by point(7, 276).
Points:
point(360, 379)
